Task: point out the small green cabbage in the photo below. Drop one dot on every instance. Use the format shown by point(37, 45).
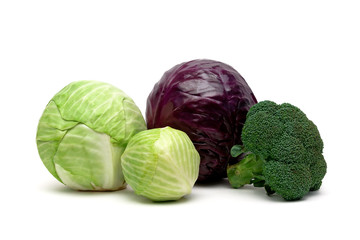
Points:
point(83, 132)
point(161, 164)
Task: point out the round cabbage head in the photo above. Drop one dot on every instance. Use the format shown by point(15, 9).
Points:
point(161, 164)
point(208, 100)
point(83, 132)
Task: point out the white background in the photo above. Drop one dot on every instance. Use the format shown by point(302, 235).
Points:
point(303, 52)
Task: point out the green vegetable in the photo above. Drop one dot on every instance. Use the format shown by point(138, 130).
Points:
point(84, 131)
point(161, 164)
point(281, 151)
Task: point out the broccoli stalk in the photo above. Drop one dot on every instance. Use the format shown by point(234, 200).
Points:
point(281, 151)
point(248, 172)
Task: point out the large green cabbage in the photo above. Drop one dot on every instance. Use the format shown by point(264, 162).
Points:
point(83, 132)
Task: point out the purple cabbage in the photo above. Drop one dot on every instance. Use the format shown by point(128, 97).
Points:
point(208, 100)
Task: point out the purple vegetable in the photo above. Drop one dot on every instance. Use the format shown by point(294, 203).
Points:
point(208, 100)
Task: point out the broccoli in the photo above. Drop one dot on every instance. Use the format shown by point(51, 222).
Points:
point(281, 150)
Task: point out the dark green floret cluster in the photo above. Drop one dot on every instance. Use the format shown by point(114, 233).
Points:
point(281, 151)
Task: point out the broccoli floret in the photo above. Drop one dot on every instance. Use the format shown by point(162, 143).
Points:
point(260, 132)
point(283, 152)
point(291, 181)
point(318, 171)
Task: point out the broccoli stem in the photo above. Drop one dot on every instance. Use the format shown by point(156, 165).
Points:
point(247, 171)
point(268, 189)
